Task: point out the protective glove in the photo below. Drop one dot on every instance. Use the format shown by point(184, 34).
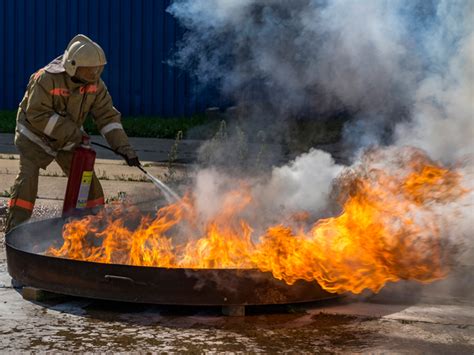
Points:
point(132, 161)
point(129, 155)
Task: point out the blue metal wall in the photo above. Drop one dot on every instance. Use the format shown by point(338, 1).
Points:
point(138, 36)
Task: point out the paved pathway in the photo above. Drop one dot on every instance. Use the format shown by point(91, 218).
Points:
point(148, 149)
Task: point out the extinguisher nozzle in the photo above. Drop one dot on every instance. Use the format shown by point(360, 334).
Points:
point(142, 169)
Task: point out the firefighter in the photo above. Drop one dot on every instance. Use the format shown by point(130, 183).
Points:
point(56, 103)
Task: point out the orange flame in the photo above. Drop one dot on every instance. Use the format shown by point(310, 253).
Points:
point(387, 231)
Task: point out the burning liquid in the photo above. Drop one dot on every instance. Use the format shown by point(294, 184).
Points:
point(388, 230)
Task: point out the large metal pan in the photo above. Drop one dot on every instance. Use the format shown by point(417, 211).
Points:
point(26, 246)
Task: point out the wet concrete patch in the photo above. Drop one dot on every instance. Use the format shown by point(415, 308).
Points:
point(347, 325)
point(82, 325)
point(88, 325)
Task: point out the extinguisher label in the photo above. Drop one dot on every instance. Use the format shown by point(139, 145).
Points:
point(84, 189)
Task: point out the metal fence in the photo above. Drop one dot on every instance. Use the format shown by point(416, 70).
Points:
point(138, 37)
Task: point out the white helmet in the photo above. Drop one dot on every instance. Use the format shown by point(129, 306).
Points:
point(82, 52)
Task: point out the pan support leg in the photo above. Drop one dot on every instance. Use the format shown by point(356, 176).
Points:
point(16, 284)
point(38, 295)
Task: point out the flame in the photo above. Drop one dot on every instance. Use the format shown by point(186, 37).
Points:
point(387, 231)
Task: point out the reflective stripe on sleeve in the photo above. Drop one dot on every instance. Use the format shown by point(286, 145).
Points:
point(35, 139)
point(110, 127)
point(51, 124)
point(59, 92)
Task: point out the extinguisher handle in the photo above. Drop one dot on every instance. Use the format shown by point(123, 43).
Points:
point(86, 139)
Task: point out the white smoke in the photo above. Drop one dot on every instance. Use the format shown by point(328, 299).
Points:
point(302, 185)
point(403, 68)
point(443, 118)
point(385, 61)
point(303, 54)
point(210, 188)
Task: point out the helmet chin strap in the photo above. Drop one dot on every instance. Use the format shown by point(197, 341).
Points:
point(77, 80)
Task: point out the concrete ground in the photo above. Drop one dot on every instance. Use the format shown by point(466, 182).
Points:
point(148, 149)
point(402, 318)
point(115, 176)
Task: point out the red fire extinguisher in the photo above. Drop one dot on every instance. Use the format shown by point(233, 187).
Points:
point(80, 179)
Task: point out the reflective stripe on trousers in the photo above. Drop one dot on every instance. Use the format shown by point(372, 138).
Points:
point(38, 141)
point(18, 202)
point(94, 203)
point(35, 139)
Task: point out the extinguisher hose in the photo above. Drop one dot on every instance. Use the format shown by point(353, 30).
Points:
point(170, 195)
point(122, 155)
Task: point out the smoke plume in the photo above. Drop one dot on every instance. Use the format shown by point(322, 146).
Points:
point(442, 116)
point(403, 70)
point(397, 66)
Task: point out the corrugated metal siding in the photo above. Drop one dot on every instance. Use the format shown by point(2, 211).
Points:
point(138, 37)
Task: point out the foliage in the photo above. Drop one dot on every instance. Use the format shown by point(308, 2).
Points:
point(136, 126)
point(172, 157)
point(7, 121)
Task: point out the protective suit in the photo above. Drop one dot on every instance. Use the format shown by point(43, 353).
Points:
point(57, 101)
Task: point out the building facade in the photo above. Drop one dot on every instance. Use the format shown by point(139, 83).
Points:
point(138, 37)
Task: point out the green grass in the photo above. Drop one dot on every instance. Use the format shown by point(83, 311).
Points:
point(136, 126)
point(300, 134)
point(154, 126)
point(7, 121)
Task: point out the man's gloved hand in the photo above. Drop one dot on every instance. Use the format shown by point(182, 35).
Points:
point(132, 161)
point(129, 155)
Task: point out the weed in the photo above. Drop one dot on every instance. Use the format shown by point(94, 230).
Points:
point(209, 148)
point(120, 197)
point(221, 134)
point(53, 174)
point(8, 157)
point(5, 193)
point(170, 175)
point(123, 177)
point(102, 175)
point(242, 145)
point(261, 151)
